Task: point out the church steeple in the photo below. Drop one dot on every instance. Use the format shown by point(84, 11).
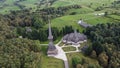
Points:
point(51, 48)
point(50, 37)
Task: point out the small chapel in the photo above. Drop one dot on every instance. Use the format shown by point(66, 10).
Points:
point(74, 38)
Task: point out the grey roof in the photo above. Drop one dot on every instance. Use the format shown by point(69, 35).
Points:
point(75, 37)
point(83, 24)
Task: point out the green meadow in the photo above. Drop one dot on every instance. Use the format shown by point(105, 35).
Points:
point(8, 5)
point(95, 3)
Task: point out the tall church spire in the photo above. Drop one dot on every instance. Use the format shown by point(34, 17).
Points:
point(51, 48)
point(50, 37)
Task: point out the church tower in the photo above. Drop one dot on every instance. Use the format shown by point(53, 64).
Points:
point(51, 48)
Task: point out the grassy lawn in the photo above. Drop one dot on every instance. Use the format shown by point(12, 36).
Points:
point(29, 3)
point(61, 44)
point(50, 62)
point(11, 6)
point(58, 3)
point(81, 56)
point(82, 10)
point(70, 48)
point(115, 17)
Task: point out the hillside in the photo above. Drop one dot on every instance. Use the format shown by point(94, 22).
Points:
point(10, 5)
point(24, 32)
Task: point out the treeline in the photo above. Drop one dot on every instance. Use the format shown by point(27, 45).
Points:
point(42, 33)
point(106, 44)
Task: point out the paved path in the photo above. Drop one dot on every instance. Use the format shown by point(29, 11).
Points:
point(62, 55)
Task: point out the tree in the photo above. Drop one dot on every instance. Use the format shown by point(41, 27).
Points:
point(103, 59)
point(88, 50)
point(106, 13)
point(75, 61)
point(93, 54)
point(97, 46)
point(38, 23)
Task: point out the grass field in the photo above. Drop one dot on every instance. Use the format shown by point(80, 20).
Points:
point(11, 6)
point(58, 3)
point(95, 3)
point(70, 48)
point(71, 20)
point(50, 62)
point(29, 3)
point(115, 17)
point(82, 10)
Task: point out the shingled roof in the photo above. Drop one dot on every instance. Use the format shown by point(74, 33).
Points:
point(74, 37)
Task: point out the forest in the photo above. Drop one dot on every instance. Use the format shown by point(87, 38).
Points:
point(106, 44)
point(22, 32)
